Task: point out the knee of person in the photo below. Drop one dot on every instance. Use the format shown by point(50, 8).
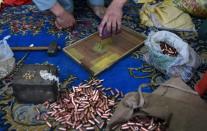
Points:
point(68, 5)
point(96, 2)
point(69, 9)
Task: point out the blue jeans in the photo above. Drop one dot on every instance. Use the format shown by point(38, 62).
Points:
point(67, 4)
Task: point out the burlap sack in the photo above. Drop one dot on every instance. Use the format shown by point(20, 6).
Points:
point(173, 102)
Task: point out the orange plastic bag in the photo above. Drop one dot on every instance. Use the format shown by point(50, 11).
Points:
point(16, 2)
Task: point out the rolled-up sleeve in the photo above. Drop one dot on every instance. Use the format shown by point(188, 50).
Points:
point(44, 4)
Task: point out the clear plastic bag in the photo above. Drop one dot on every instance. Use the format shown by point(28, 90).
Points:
point(7, 61)
point(5, 51)
point(182, 65)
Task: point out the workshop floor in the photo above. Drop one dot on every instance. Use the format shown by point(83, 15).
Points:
point(27, 25)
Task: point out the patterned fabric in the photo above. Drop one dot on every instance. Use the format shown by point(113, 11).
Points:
point(27, 25)
point(194, 7)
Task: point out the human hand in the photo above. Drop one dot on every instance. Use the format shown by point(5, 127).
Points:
point(64, 19)
point(112, 18)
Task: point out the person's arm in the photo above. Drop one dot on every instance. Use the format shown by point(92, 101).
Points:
point(113, 17)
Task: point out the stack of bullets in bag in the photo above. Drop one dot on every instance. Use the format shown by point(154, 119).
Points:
point(86, 107)
point(168, 50)
point(144, 124)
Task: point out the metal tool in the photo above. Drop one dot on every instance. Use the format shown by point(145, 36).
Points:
point(105, 40)
point(107, 34)
point(51, 49)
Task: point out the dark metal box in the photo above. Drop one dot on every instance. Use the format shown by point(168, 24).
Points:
point(30, 87)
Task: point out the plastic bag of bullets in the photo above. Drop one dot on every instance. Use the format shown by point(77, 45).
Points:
point(171, 55)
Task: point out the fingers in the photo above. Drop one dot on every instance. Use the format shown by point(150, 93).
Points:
point(114, 26)
point(118, 26)
point(108, 26)
point(102, 25)
point(112, 23)
point(72, 24)
point(109, 23)
point(58, 25)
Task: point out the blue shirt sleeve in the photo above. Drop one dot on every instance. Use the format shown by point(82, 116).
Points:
point(44, 4)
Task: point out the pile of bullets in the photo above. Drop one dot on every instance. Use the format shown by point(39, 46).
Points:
point(29, 75)
point(144, 124)
point(168, 50)
point(86, 107)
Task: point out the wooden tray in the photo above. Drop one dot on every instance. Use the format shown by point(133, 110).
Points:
point(96, 55)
